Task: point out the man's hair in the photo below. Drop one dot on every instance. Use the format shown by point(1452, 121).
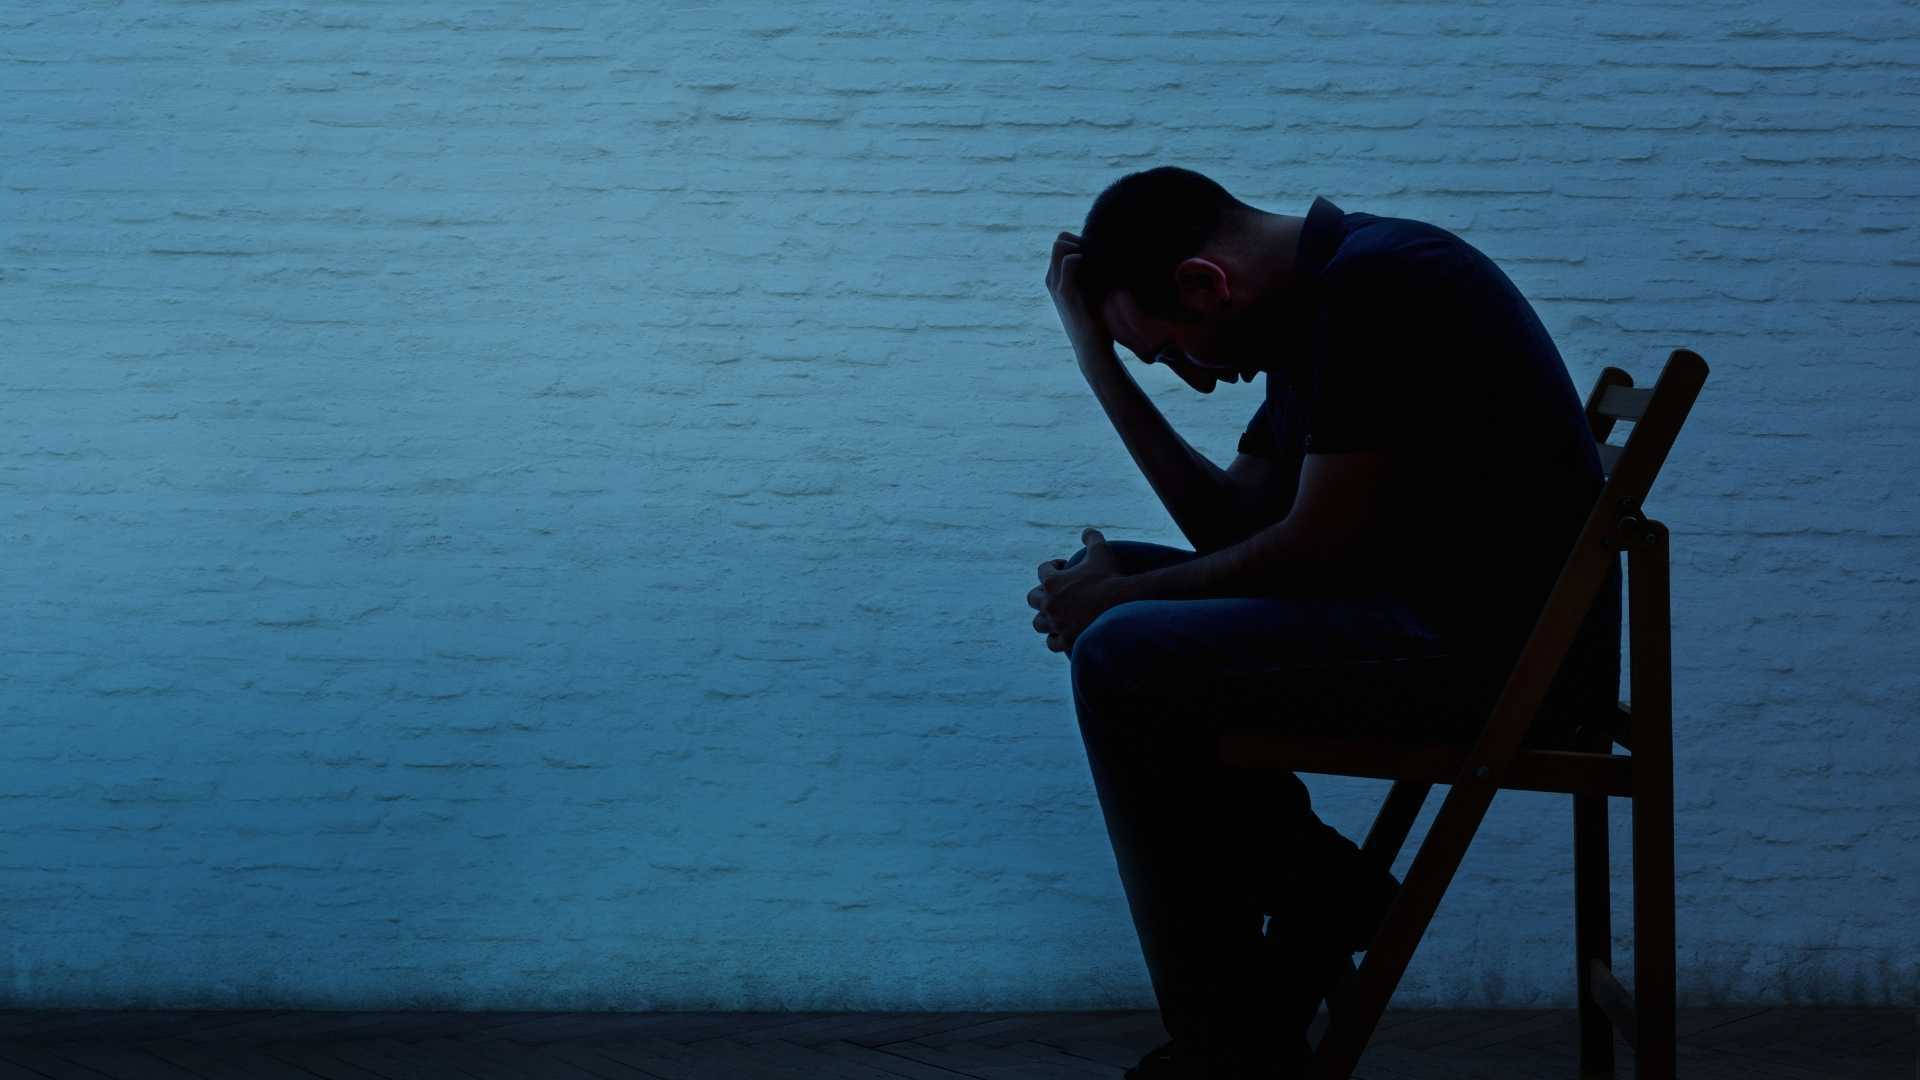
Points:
point(1142, 226)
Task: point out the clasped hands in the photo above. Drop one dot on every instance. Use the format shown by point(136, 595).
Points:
point(1068, 599)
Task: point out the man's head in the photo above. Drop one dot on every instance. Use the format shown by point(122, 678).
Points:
point(1184, 274)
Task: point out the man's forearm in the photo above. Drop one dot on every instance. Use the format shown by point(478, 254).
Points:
point(1195, 491)
point(1278, 560)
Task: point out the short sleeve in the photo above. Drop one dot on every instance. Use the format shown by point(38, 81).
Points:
point(1368, 390)
point(1257, 440)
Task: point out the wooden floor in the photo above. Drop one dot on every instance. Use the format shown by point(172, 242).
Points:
point(1514, 1044)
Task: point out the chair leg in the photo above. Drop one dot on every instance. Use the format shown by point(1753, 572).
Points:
point(1653, 930)
point(1394, 821)
point(1593, 931)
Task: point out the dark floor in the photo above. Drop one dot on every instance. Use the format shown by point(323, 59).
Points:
point(1509, 1044)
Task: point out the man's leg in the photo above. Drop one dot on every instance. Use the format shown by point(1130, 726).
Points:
point(1200, 847)
point(1136, 795)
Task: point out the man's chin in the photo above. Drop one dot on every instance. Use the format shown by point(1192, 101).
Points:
point(1205, 381)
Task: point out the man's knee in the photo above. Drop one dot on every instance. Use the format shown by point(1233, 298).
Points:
point(1111, 648)
point(1104, 693)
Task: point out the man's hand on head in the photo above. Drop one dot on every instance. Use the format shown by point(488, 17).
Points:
point(1086, 331)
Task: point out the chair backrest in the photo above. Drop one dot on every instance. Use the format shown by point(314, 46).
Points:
point(1616, 521)
point(1656, 414)
point(1615, 399)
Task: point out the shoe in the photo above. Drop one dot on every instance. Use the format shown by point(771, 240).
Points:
point(1364, 903)
point(1303, 974)
point(1168, 1061)
point(1340, 897)
point(1173, 1060)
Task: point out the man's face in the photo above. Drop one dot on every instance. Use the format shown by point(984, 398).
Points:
point(1217, 348)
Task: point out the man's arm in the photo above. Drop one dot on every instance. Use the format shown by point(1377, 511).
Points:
point(1333, 536)
point(1203, 500)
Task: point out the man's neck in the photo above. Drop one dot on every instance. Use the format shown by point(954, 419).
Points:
point(1280, 300)
point(1280, 251)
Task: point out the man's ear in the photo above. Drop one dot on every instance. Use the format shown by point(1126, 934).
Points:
point(1202, 284)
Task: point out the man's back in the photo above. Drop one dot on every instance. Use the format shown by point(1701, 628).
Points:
point(1417, 343)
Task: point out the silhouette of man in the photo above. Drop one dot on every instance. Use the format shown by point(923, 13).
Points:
point(1371, 562)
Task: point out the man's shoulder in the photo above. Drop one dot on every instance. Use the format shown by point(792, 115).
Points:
point(1382, 251)
point(1425, 278)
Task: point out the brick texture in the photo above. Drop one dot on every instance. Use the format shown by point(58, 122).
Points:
point(530, 507)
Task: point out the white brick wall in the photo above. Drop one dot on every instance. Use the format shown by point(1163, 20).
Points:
point(529, 507)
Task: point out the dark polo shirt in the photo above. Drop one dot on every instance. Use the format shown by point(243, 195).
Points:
point(1413, 342)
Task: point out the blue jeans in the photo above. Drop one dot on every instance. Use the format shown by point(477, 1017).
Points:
point(1205, 851)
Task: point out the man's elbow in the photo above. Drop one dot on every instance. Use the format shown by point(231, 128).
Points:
point(1232, 527)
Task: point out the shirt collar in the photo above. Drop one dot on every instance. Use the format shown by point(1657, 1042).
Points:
point(1325, 227)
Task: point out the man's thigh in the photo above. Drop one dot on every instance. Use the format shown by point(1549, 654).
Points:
point(1308, 665)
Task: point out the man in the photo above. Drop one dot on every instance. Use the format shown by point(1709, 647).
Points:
point(1373, 559)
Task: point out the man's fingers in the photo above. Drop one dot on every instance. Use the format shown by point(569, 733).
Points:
point(1042, 624)
point(1051, 567)
point(1066, 244)
point(1036, 597)
point(1061, 249)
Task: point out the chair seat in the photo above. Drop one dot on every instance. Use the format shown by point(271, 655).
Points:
point(1569, 771)
point(1433, 698)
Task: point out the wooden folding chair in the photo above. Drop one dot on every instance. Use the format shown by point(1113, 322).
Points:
point(1642, 725)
